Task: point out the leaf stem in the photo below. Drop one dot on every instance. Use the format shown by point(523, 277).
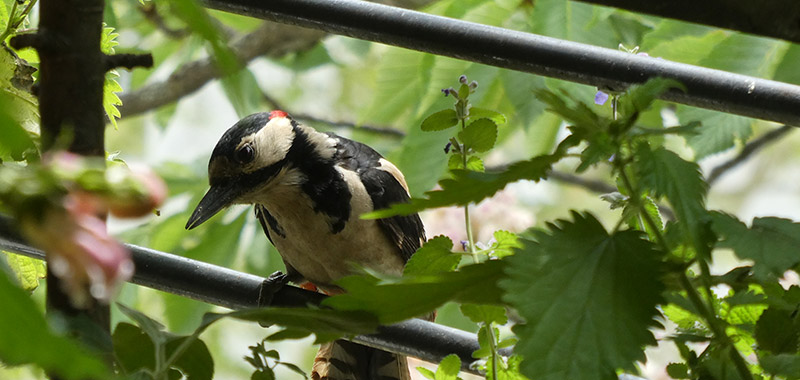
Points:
point(705, 309)
point(493, 346)
point(470, 237)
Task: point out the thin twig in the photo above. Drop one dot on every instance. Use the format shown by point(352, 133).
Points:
point(151, 14)
point(269, 39)
point(748, 151)
point(336, 124)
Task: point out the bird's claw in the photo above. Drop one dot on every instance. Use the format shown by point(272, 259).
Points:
point(270, 286)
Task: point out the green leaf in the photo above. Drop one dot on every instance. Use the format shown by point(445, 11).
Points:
point(678, 371)
point(398, 299)
point(111, 87)
point(151, 327)
point(427, 373)
point(786, 365)
point(469, 187)
point(719, 131)
point(287, 334)
point(28, 270)
point(778, 331)
point(770, 242)
point(505, 244)
point(135, 351)
point(474, 163)
point(480, 135)
point(638, 98)
point(476, 113)
point(31, 341)
point(326, 324)
point(666, 174)
point(588, 298)
point(485, 313)
point(434, 257)
point(448, 368)
point(441, 120)
point(110, 98)
point(509, 372)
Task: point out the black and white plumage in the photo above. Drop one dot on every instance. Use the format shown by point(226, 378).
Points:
point(309, 190)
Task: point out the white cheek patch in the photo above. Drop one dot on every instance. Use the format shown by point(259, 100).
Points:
point(271, 143)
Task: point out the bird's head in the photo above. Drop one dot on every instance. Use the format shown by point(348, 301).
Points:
point(246, 159)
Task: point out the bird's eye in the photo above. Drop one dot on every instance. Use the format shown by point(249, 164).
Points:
point(245, 154)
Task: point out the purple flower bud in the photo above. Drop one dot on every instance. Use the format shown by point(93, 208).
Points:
point(473, 85)
point(464, 244)
point(446, 91)
point(463, 79)
point(447, 147)
point(600, 98)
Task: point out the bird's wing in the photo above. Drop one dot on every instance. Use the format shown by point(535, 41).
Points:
point(386, 186)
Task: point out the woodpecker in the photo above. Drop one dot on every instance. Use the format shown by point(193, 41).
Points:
point(309, 189)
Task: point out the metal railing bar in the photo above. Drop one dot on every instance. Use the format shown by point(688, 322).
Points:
point(572, 61)
point(237, 290)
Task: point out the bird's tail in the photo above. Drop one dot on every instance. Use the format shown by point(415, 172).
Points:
point(343, 360)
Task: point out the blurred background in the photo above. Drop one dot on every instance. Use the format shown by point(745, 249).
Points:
point(173, 114)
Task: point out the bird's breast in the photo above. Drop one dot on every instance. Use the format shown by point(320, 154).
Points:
point(306, 241)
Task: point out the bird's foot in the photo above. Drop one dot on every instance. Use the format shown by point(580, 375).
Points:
point(270, 286)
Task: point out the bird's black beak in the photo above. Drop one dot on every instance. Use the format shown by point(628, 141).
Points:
point(217, 198)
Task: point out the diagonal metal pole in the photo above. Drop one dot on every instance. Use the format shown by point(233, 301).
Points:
point(237, 290)
point(586, 64)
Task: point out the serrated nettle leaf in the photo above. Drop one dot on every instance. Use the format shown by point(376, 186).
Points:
point(476, 113)
point(772, 243)
point(441, 120)
point(588, 299)
point(480, 135)
point(435, 256)
point(719, 131)
point(414, 296)
point(485, 313)
point(470, 187)
point(664, 173)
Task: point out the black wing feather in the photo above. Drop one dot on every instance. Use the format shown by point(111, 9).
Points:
point(406, 232)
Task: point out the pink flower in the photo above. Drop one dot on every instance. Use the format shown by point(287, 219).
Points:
point(90, 263)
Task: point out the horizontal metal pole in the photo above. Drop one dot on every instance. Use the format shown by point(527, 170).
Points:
point(773, 18)
point(236, 290)
point(572, 61)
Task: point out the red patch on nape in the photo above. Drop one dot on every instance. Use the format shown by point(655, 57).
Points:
point(278, 113)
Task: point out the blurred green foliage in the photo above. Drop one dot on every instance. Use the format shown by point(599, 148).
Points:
point(588, 292)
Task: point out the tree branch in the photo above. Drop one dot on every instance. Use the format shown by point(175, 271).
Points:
point(336, 124)
point(747, 151)
point(269, 39)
